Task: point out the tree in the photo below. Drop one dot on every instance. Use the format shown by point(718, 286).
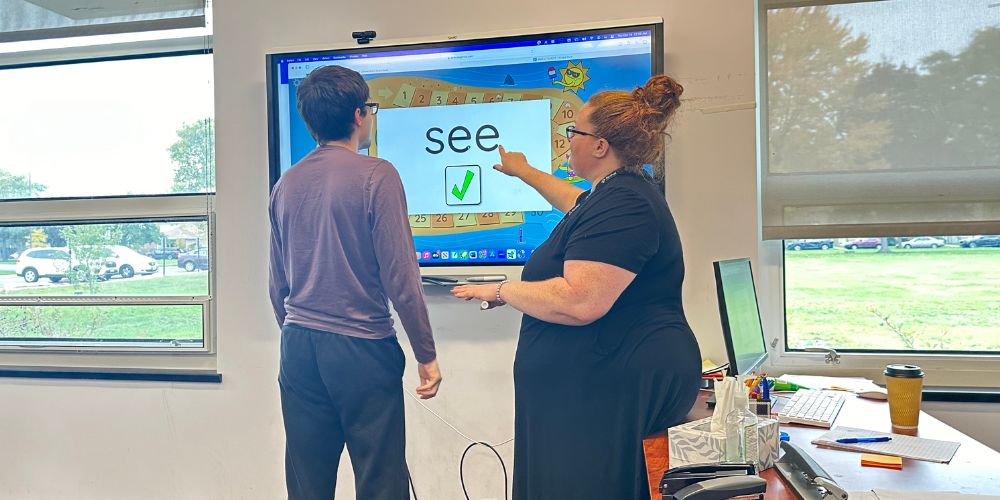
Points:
point(88, 251)
point(18, 186)
point(37, 239)
point(137, 235)
point(13, 240)
point(194, 154)
point(52, 234)
point(819, 119)
point(885, 247)
point(946, 111)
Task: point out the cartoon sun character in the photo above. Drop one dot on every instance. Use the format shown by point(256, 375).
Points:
point(573, 77)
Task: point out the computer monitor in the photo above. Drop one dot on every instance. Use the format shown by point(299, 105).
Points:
point(740, 316)
point(445, 107)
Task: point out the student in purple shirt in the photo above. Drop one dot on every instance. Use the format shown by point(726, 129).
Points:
point(341, 249)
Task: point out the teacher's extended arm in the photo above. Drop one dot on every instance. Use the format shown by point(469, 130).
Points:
point(556, 191)
point(584, 294)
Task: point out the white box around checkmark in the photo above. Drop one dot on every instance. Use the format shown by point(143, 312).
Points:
point(454, 179)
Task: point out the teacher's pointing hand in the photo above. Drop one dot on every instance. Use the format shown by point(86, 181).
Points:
point(512, 163)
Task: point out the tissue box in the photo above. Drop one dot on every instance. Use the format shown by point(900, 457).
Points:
point(692, 443)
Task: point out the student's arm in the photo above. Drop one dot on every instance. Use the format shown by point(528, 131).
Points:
point(556, 191)
point(277, 282)
point(399, 272)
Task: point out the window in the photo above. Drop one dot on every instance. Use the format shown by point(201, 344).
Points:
point(935, 294)
point(101, 259)
point(878, 160)
point(106, 194)
point(125, 127)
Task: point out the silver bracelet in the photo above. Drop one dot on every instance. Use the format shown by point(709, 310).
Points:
point(499, 300)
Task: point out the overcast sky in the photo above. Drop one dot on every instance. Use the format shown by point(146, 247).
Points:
point(101, 128)
point(904, 31)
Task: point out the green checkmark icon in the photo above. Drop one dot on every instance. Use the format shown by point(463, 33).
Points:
point(460, 194)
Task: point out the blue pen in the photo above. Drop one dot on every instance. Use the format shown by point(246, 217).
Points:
point(767, 390)
point(864, 440)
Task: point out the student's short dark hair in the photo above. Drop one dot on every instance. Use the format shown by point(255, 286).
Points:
point(327, 99)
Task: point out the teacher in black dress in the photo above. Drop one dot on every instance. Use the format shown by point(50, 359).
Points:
point(605, 355)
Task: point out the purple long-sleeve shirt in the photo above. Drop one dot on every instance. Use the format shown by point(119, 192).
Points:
point(341, 248)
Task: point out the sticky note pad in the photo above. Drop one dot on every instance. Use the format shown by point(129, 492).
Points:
point(869, 460)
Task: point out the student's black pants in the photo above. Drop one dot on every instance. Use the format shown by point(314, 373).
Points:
point(338, 390)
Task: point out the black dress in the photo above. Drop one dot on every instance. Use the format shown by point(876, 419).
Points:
point(586, 396)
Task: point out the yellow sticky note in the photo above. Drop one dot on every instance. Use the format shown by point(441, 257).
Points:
point(870, 460)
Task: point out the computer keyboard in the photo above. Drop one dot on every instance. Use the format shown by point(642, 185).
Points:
point(809, 407)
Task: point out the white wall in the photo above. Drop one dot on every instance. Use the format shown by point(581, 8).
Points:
point(978, 420)
point(96, 440)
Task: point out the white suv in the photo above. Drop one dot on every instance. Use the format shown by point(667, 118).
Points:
point(54, 264)
point(36, 263)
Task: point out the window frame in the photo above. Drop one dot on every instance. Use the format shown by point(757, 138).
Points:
point(953, 370)
point(109, 356)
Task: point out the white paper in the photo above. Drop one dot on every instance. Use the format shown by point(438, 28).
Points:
point(817, 382)
point(862, 495)
point(931, 450)
point(926, 495)
point(443, 150)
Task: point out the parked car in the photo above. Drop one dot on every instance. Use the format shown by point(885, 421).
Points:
point(194, 260)
point(35, 263)
point(809, 245)
point(980, 241)
point(964, 242)
point(857, 243)
point(54, 264)
point(131, 262)
point(165, 253)
point(922, 242)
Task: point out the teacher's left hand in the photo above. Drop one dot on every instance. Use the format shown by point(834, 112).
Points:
point(486, 293)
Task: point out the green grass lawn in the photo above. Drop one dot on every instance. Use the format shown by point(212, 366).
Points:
point(5, 273)
point(938, 299)
point(183, 284)
point(101, 322)
point(131, 322)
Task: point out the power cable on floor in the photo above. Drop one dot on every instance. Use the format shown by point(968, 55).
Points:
point(473, 444)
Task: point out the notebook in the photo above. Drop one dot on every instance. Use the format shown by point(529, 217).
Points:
point(916, 448)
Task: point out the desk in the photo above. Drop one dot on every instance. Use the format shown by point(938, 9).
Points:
point(975, 468)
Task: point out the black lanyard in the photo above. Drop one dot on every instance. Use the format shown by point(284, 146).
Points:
point(592, 189)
